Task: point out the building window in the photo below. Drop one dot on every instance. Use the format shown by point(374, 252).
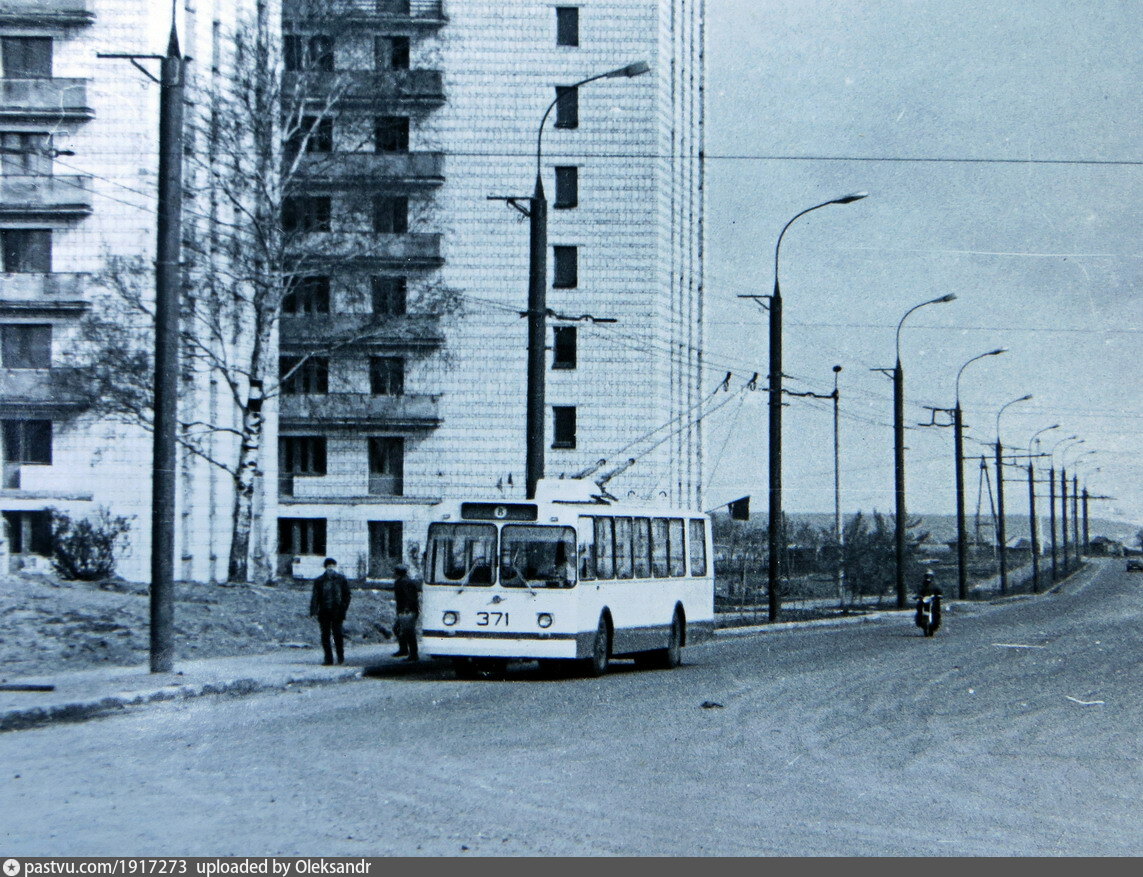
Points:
point(302, 213)
point(29, 532)
point(298, 377)
point(27, 57)
point(390, 214)
point(566, 267)
point(567, 25)
point(386, 465)
point(314, 134)
point(28, 441)
point(301, 455)
point(301, 536)
point(567, 106)
point(563, 348)
point(391, 134)
point(307, 295)
point(386, 545)
point(25, 154)
point(390, 296)
point(386, 375)
point(27, 250)
point(25, 346)
point(563, 426)
point(391, 53)
point(308, 53)
point(567, 187)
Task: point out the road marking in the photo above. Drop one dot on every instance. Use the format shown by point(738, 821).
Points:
point(1016, 646)
point(1083, 702)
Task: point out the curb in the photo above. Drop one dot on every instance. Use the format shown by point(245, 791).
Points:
point(80, 711)
point(816, 622)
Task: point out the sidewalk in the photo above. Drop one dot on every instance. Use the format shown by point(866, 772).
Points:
point(84, 694)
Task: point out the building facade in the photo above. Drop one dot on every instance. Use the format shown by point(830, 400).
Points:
point(400, 345)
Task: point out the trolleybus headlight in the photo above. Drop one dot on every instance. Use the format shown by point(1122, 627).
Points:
point(450, 618)
point(544, 619)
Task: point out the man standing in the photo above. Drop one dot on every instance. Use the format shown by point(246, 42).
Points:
point(408, 598)
point(330, 602)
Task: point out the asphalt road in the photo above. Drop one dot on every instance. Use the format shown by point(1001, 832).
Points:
point(1014, 731)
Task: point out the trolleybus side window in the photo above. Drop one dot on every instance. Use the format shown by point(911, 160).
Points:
point(641, 542)
point(678, 563)
point(698, 547)
point(659, 547)
point(536, 556)
point(604, 548)
point(461, 554)
point(586, 548)
point(622, 548)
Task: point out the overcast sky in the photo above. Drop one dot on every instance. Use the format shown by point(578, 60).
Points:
point(1032, 218)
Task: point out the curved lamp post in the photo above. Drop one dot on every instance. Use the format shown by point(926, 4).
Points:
point(775, 411)
point(1033, 522)
point(958, 451)
point(537, 292)
point(1001, 538)
point(1064, 494)
point(899, 448)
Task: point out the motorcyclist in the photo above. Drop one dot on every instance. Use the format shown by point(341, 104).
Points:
point(930, 592)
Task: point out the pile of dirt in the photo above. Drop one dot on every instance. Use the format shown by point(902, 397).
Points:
point(50, 626)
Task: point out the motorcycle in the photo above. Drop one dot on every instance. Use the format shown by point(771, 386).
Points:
point(928, 616)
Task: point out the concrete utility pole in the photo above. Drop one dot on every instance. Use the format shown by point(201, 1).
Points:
point(899, 451)
point(1086, 531)
point(958, 449)
point(1002, 547)
point(775, 523)
point(537, 312)
point(1075, 516)
point(1032, 520)
point(168, 286)
point(1064, 514)
point(1052, 517)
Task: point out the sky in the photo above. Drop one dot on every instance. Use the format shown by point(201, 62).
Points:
point(1002, 148)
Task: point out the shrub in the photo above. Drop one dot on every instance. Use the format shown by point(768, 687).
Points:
point(87, 548)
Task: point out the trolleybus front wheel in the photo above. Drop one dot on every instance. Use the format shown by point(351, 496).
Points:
point(600, 657)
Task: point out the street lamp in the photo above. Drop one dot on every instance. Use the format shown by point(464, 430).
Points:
point(958, 450)
point(537, 293)
point(1064, 494)
point(837, 535)
point(775, 411)
point(899, 447)
point(1033, 525)
point(1000, 535)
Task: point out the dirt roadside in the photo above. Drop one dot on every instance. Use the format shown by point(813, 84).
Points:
point(49, 626)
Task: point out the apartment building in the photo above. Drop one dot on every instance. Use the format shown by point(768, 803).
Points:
point(400, 344)
point(373, 434)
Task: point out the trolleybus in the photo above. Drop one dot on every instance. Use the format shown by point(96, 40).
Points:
point(572, 575)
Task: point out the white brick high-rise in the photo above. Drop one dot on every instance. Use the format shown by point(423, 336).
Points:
point(442, 112)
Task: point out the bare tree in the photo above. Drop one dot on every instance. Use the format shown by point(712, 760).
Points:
point(261, 134)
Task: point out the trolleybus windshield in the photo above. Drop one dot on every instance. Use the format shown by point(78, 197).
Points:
point(461, 554)
point(532, 556)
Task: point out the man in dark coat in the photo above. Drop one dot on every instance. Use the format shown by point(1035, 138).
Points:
point(330, 602)
point(407, 594)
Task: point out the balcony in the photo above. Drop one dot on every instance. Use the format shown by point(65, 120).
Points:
point(359, 331)
point(388, 89)
point(357, 411)
point(42, 393)
point(330, 251)
point(52, 13)
point(326, 488)
point(47, 197)
point(391, 14)
point(42, 295)
point(34, 100)
point(351, 170)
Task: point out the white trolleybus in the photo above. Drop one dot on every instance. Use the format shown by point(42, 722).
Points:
point(571, 575)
